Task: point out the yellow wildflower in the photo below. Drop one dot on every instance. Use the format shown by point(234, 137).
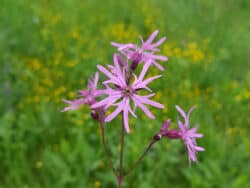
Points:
point(72, 94)
point(39, 164)
point(167, 50)
point(238, 98)
point(246, 94)
point(177, 52)
point(71, 63)
point(35, 64)
point(48, 82)
point(36, 99)
point(97, 184)
point(79, 122)
point(198, 55)
point(192, 45)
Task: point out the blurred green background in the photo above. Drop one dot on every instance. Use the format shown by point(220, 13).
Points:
point(48, 50)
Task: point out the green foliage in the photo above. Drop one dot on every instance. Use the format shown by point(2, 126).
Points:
point(48, 49)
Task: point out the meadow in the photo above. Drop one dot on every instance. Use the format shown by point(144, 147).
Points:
point(48, 50)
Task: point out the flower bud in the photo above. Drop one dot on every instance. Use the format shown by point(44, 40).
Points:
point(121, 61)
point(94, 115)
point(157, 137)
point(165, 126)
point(135, 60)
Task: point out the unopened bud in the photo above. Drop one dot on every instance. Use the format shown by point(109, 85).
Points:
point(121, 61)
point(94, 115)
point(165, 125)
point(135, 60)
point(157, 137)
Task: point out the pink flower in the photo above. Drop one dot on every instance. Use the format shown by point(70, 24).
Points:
point(145, 52)
point(121, 93)
point(89, 95)
point(73, 105)
point(188, 135)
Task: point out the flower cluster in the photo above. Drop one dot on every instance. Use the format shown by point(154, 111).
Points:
point(121, 91)
point(122, 87)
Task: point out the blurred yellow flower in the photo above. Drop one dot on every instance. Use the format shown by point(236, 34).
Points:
point(122, 32)
point(97, 184)
point(198, 55)
point(177, 52)
point(148, 21)
point(36, 99)
point(58, 91)
point(238, 98)
point(47, 81)
point(39, 164)
point(35, 64)
point(79, 122)
point(192, 46)
point(167, 50)
point(71, 63)
point(246, 94)
point(72, 94)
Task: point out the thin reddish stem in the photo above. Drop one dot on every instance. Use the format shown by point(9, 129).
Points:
point(120, 177)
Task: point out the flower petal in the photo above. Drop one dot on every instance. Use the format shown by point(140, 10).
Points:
point(148, 101)
point(180, 111)
point(151, 37)
point(106, 101)
point(142, 84)
point(125, 116)
point(159, 42)
point(144, 71)
point(115, 112)
point(144, 108)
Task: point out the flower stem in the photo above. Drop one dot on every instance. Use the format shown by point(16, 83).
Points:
point(153, 141)
point(120, 177)
point(119, 181)
point(104, 144)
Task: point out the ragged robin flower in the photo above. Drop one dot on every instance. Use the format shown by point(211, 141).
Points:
point(185, 133)
point(145, 52)
point(121, 92)
point(87, 96)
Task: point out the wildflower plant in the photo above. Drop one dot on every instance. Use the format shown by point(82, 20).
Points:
point(121, 92)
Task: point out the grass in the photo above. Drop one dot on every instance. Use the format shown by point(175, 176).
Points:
point(48, 49)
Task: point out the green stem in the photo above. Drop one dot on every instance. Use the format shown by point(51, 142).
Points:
point(120, 177)
point(104, 145)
